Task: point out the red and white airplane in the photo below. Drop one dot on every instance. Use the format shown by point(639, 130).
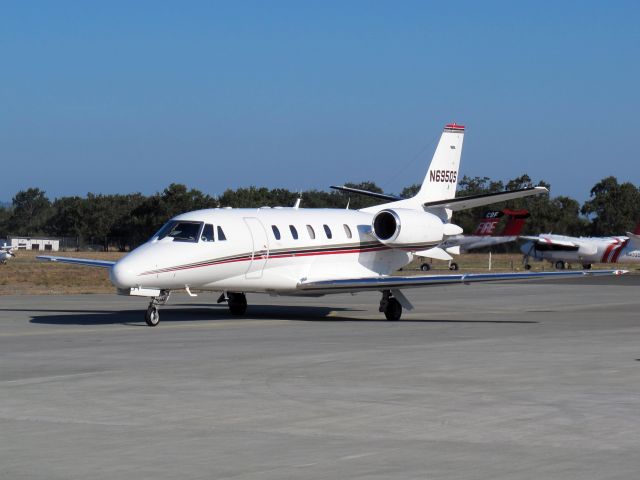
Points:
point(562, 249)
point(308, 252)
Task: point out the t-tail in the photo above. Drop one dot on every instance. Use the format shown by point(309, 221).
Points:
point(442, 177)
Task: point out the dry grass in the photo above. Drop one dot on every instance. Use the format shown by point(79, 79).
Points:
point(26, 275)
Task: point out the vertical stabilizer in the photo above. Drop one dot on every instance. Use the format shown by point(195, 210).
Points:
point(517, 219)
point(442, 177)
point(488, 224)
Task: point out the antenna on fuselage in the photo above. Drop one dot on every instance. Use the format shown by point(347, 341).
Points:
point(348, 203)
point(298, 200)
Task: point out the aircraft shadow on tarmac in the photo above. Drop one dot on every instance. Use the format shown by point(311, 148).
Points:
point(211, 313)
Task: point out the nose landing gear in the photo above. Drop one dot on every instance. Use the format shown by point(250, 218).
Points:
point(152, 315)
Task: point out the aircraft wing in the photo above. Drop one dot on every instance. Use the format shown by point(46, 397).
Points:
point(472, 201)
point(550, 241)
point(480, 242)
point(87, 262)
point(393, 282)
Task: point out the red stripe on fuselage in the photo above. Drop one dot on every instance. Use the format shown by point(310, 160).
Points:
point(274, 256)
point(614, 259)
point(607, 252)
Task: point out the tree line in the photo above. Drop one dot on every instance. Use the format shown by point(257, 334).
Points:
point(124, 221)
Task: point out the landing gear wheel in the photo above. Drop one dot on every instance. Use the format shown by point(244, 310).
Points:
point(390, 306)
point(237, 303)
point(152, 317)
point(393, 312)
point(587, 266)
point(560, 265)
point(527, 266)
point(453, 266)
point(425, 267)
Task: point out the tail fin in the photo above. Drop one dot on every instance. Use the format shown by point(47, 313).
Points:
point(442, 177)
point(517, 219)
point(487, 225)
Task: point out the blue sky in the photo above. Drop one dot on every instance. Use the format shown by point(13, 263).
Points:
point(115, 97)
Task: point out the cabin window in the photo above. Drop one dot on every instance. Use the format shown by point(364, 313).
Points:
point(347, 231)
point(182, 231)
point(221, 235)
point(276, 232)
point(312, 233)
point(207, 233)
point(327, 230)
point(294, 232)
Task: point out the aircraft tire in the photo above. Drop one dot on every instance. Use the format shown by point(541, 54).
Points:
point(454, 266)
point(425, 267)
point(587, 266)
point(393, 311)
point(560, 265)
point(152, 317)
point(527, 266)
point(237, 303)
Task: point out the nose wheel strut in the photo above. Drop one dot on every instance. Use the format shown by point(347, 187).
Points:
point(152, 315)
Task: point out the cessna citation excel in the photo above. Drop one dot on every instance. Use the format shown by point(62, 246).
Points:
point(308, 252)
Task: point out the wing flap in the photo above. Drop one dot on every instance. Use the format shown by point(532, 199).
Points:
point(393, 282)
point(87, 262)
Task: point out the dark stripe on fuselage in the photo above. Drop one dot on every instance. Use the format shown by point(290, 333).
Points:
point(288, 253)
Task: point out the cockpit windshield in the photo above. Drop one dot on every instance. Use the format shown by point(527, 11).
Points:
point(180, 231)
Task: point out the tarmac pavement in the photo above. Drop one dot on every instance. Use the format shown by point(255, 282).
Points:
point(507, 381)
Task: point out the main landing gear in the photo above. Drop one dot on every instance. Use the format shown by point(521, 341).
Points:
point(152, 315)
point(390, 306)
point(237, 302)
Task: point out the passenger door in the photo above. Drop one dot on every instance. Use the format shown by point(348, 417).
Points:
point(260, 243)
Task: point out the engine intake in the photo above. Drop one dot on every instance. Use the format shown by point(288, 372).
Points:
point(409, 229)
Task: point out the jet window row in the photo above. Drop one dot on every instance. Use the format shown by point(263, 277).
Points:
point(191, 232)
point(310, 232)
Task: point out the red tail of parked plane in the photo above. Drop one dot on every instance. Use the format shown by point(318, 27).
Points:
point(491, 219)
point(517, 219)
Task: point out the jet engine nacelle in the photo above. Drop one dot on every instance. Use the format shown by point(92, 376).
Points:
point(402, 228)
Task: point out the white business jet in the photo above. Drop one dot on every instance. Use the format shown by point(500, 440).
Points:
point(308, 252)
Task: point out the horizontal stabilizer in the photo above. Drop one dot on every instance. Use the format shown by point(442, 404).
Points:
point(472, 201)
point(87, 262)
point(435, 252)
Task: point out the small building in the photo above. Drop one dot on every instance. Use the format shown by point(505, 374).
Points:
point(35, 243)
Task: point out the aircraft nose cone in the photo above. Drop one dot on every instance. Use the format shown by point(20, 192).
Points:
point(122, 275)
